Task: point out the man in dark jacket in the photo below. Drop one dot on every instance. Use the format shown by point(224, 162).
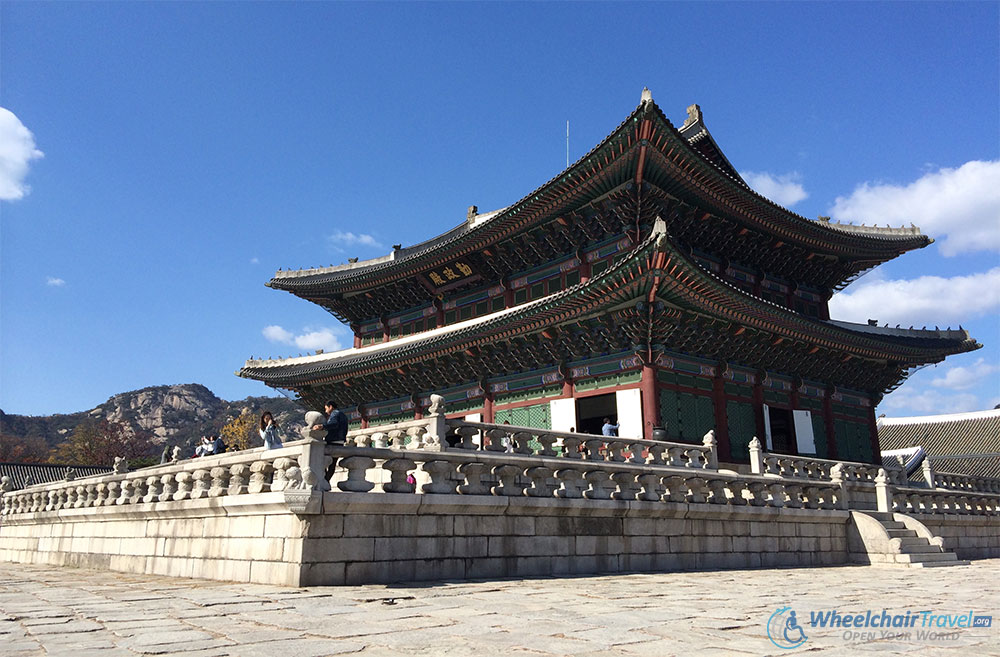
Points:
point(335, 425)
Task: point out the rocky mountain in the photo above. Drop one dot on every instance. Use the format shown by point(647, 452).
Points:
point(178, 415)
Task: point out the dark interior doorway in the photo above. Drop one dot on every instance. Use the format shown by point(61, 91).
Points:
point(782, 436)
point(591, 411)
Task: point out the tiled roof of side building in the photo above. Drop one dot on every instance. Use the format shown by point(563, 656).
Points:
point(45, 473)
point(965, 443)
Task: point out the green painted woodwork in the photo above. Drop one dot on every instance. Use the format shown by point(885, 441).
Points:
point(775, 397)
point(739, 390)
point(685, 416)
point(609, 381)
point(853, 441)
point(819, 435)
point(685, 380)
point(392, 418)
point(526, 395)
point(468, 406)
point(538, 416)
point(742, 428)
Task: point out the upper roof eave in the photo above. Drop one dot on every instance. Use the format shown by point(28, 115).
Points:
point(857, 338)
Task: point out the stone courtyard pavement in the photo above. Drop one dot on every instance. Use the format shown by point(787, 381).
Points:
point(64, 611)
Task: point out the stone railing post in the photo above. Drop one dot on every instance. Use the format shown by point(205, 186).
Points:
point(712, 453)
point(928, 471)
point(437, 426)
point(883, 492)
point(313, 463)
point(837, 479)
point(756, 457)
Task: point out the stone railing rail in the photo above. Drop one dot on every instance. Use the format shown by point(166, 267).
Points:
point(923, 500)
point(955, 481)
point(296, 468)
point(458, 471)
point(808, 467)
point(473, 436)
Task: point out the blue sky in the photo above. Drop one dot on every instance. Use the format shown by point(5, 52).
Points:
point(159, 161)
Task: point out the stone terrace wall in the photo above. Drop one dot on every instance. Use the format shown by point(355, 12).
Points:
point(253, 538)
point(363, 538)
point(969, 537)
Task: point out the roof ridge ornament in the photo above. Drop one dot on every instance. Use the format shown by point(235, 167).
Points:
point(647, 96)
point(694, 115)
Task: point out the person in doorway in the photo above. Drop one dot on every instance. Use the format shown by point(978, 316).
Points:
point(609, 429)
point(269, 431)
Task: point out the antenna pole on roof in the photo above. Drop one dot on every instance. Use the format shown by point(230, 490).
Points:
point(567, 143)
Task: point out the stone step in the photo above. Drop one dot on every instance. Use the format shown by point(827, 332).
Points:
point(937, 564)
point(925, 548)
point(913, 540)
point(930, 556)
point(901, 533)
point(892, 524)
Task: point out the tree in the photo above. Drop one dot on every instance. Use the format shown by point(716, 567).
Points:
point(239, 432)
point(26, 449)
point(98, 443)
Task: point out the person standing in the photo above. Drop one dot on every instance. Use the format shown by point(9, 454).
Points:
point(335, 425)
point(269, 431)
point(609, 429)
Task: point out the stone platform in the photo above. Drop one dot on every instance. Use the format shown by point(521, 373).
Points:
point(73, 612)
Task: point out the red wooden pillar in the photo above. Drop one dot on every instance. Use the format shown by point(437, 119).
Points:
point(721, 419)
point(650, 401)
point(831, 436)
point(873, 431)
point(487, 405)
point(364, 417)
point(758, 411)
point(385, 330)
point(585, 269)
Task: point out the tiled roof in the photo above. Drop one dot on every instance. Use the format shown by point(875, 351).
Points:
point(44, 473)
point(964, 443)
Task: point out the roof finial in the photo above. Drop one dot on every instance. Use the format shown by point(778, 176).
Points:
point(647, 96)
point(694, 115)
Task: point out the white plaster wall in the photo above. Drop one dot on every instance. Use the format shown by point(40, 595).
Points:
point(563, 414)
point(629, 413)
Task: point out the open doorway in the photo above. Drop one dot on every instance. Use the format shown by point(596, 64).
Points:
point(591, 411)
point(782, 436)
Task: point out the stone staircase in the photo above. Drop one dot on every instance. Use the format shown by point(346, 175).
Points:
point(913, 551)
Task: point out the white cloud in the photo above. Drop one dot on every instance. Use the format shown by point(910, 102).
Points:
point(959, 206)
point(907, 402)
point(52, 281)
point(963, 378)
point(275, 333)
point(255, 261)
point(784, 190)
point(17, 150)
point(310, 339)
point(926, 300)
point(341, 239)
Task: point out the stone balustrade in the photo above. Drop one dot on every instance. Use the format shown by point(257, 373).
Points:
point(472, 471)
point(813, 468)
point(922, 500)
point(954, 481)
point(296, 468)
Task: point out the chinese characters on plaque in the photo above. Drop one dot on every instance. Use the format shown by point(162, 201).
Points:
point(455, 271)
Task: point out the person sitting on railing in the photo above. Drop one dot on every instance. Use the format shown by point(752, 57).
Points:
point(269, 432)
point(205, 448)
point(609, 429)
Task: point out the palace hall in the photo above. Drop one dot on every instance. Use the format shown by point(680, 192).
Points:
point(646, 283)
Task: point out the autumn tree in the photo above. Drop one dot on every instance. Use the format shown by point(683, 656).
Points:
point(99, 442)
point(26, 449)
point(239, 433)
